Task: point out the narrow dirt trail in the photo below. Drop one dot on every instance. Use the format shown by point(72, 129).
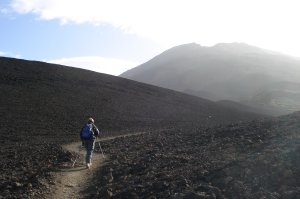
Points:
point(71, 182)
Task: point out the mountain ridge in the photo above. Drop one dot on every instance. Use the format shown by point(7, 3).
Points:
point(37, 86)
point(235, 71)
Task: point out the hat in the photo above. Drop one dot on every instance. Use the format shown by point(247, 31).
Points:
point(90, 120)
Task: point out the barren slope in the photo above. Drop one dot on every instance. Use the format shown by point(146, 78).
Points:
point(44, 98)
point(239, 161)
point(43, 106)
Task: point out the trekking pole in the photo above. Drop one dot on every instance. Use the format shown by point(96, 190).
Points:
point(76, 158)
point(101, 149)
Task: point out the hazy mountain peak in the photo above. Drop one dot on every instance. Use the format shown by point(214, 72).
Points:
point(237, 47)
point(231, 48)
point(235, 44)
point(226, 71)
point(189, 45)
point(186, 47)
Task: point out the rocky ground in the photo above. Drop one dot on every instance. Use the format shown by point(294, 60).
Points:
point(43, 106)
point(258, 159)
point(25, 167)
point(246, 160)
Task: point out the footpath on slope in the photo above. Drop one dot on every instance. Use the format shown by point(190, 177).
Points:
point(72, 182)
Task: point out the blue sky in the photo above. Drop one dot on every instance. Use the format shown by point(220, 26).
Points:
point(37, 39)
point(28, 37)
point(113, 36)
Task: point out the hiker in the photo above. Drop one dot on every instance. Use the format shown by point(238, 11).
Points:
point(88, 136)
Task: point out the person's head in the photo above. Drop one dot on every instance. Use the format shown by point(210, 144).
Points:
point(90, 120)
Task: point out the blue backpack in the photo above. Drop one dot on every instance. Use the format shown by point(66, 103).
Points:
point(87, 132)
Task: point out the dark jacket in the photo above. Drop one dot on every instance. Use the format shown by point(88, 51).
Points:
point(95, 131)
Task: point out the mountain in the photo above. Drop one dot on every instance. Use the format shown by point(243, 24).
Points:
point(58, 95)
point(255, 77)
point(44, 105)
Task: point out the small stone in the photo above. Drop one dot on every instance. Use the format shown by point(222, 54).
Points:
point(8, 187)
point(109, 193)
point(17, 184)
point(228, 180)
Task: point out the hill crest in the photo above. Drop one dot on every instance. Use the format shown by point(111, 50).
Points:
point(234, 71)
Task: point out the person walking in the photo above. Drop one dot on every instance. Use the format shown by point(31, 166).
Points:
point(88, 135)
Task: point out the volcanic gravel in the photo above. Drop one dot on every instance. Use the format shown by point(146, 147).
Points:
point(44, 105)
point(25, 168)
point(253, 160)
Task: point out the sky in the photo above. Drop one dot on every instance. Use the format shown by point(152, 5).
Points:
point(112, 36)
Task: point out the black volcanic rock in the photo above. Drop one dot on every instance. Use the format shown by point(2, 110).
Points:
point(259, 159)
point(239, 72)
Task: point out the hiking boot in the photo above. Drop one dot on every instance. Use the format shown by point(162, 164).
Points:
point(88, 165)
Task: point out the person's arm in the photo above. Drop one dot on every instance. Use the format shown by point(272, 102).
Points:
point(96, 130)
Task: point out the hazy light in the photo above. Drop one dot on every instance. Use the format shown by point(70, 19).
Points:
point(97, 64)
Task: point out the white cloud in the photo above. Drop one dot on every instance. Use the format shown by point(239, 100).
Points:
point(97, 64)
point(9, 54)
point(266, 23)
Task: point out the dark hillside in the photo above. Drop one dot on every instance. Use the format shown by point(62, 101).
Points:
point(43, 105)
point(43, 98)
